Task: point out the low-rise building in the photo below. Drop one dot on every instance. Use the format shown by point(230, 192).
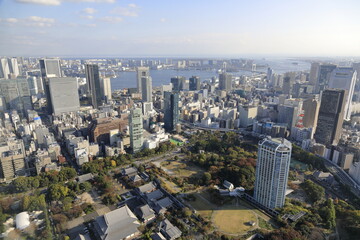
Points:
point(168, 230)
point(118, 224)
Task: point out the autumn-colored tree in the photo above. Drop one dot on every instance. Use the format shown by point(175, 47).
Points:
point(58, 191)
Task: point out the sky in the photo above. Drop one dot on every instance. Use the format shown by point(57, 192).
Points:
point(197, 28)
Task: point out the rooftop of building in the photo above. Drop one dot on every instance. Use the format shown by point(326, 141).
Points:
point(280, 144)
point(117, 224)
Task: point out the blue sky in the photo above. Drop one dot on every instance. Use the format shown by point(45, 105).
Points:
point(179, 28)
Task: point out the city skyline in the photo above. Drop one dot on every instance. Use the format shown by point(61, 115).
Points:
point(159, 28)
point(206, 119)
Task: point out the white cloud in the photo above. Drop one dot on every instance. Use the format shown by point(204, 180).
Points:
point(37, 21)
point(111, 19)
point(91, 25)
point(41, 2)
point(11, 20)
point(89, 10)
point(90, 17)
point(130, 11)
point(34, 21)
point(162, 20)
point(41, 19)
point(39, 24)
point(72, 24)
point(58, 2)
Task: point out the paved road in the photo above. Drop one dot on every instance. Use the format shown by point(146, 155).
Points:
point(69, 159)
point(343, 176)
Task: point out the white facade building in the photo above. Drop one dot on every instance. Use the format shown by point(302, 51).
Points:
point(344, 78)
point(272, 170)
point(106, 88)
point(248, 115)
point(81, 156)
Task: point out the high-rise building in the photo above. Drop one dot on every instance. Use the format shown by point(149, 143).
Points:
point(331, 117)
point(344, 78)
point(324, 77)
point(269, 75)
point(16, 93)
point(147, 108)
point(136, 129)
point(171, 110)
point(356, 67)
point(33, 87)
point(140, 73)
point(288, 83)
point(225, 81)
point(48, 68)
point(311, 113)
point(248, 115)
point(179, 83)
point(12, 159)
point(146, 89)
point(288, 114)
point(194, 83)
point(272, 170)
point(106, 89)
point(166, 88)
point(314, 72)
point(4, 68)
point(13, 67)
point(93, 84)
point(64, 95)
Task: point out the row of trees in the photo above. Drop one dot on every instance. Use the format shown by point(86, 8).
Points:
point(214, 142)
point(103, 165)
point(309, 158)
point(3, 217)
point(33, 202)
point(162, 148)
point(327, 212)
point(307, 227)
point(350, 218)
point(23, 184)
point(226, 158)
point(104, 184)
point(314, 191)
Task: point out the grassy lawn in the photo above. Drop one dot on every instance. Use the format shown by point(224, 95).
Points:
point(202, 207)
point(233, 219)
point(177, 143)
point(257, 212)
point(182, 169)
point(230, 218)
point(170, 185)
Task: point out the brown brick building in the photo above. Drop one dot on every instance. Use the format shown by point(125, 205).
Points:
point(99, 129)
